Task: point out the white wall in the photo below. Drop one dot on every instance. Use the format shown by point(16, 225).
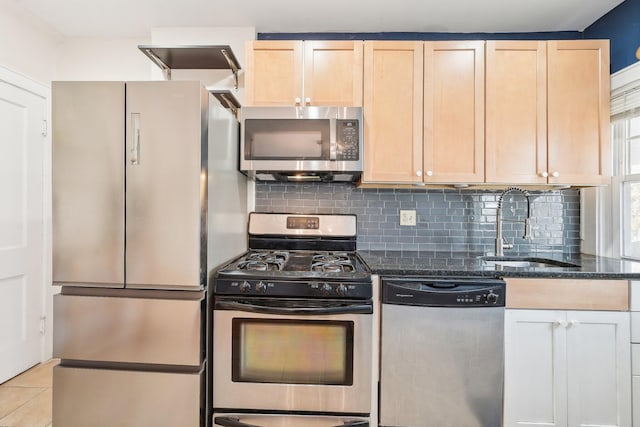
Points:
point(29, 46)
point(94, 58)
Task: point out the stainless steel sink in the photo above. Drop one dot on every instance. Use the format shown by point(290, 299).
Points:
point(526, 262)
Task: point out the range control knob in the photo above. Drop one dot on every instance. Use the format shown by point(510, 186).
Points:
point(341, 290)
point(492, 298)
point(326, 289)
point(261, 287)
point(245, 286)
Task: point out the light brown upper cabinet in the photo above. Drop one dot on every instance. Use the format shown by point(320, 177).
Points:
point(453, 150)
point(286, 73)
point(547, 112)
point(393, 79)
point(578, 110)
point(424, 112)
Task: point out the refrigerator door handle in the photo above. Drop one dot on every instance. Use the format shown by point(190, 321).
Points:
point(135, 134)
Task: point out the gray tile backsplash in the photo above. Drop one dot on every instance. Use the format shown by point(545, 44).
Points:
point(447, 220)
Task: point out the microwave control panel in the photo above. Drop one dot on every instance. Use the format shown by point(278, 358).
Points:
point(348, 139)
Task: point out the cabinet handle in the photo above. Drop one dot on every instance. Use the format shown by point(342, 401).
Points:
point(418, 173)
point(298, 100)
point(555, 174)
point(544, 174)
point(429, 173)
point(573, 323)
point(135, 134)
point(307, 101)
point(559, 322)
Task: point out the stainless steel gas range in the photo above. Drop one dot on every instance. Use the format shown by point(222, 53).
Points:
point(292, 326)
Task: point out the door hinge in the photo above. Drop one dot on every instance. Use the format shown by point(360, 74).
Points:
point(43, 325)
point(44, 128)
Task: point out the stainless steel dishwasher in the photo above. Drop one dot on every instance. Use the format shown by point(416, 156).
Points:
point(442, 355)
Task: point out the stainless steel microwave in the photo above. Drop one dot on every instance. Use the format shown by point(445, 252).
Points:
point(302, 143)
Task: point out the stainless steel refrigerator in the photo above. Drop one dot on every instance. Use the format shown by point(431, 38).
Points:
point(147, 199)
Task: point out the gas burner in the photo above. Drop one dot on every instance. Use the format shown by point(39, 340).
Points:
point(339, 262)
point(264, 261)
point(331, 257)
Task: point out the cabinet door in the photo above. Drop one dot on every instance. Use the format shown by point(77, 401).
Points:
point(333, 73)
point(599, 368)
point(578, 112)
point(516, 115)
point(273, 74)
point(163, 203)
point(393, 111)
point(454, 111)
point(535, 388)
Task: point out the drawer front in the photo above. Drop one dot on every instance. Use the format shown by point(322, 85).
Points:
point(635, 295)
point(567, 294)
point(114, 398)
point(128, 330)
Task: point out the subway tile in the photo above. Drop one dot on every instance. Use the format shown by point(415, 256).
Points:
point(467, 216)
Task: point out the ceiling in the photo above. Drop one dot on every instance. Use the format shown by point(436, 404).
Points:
point(129, 18)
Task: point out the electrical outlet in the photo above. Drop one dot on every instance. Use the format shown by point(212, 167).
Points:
point(407, 217)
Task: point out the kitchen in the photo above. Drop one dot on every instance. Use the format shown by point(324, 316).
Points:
point(337, 196)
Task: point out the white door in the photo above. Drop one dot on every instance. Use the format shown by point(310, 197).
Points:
point(22, 145)
point(535, 383)
point(599, 369)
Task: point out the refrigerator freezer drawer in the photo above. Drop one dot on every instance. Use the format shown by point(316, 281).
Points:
point(113, 398)
point(128, 330)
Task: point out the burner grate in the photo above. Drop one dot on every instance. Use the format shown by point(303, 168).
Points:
point(264, 261)
point(337, 262)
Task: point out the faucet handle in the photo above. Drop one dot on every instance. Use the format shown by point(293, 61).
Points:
point(506, 245)
point(527, 229)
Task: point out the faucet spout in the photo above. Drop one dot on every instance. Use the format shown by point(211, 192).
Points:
point(500, 243)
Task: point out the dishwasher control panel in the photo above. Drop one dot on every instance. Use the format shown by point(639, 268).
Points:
point(444, 292)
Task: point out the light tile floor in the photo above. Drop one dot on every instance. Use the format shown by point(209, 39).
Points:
point(25, 401)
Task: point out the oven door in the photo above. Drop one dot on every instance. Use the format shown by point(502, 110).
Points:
point(292, 355)
point(259, 420)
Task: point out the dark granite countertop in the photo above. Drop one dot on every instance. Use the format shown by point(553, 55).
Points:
point(393, 263)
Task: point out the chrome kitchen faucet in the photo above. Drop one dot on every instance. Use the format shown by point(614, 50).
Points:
point(501, 244)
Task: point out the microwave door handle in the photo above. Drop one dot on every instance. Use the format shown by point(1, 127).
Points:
point(333, 140)
point(231, 422)
point(317, 311)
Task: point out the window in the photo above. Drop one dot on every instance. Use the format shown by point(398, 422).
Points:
point(625, 108)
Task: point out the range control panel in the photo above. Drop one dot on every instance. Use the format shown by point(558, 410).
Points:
point(299, 289)
point(443, 292)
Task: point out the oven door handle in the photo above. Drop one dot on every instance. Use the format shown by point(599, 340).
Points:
point(316, 311)
point(231, 422)
point(235, 422)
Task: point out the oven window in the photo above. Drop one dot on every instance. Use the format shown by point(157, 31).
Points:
point(292, 352)
point(285, 139)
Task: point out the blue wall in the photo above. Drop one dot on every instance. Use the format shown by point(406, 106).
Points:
point(558, 35)
point(622, 26)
